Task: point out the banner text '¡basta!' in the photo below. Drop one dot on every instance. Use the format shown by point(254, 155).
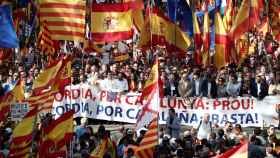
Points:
point(86, 93)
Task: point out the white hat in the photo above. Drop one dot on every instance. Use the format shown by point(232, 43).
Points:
point(187, 133)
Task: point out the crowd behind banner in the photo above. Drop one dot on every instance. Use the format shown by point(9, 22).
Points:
point(215, 103)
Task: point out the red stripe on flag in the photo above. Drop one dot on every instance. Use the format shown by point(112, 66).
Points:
point(221, 39)
point(112, 36)
point(70, 15)
point(62, 5)
point(69, 33)
point(63, 23)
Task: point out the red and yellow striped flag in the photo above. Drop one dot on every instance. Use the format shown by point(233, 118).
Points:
point(60, 131)
point(197, 33)
point(147, 145)
point(45, 42)
point(105, 146)
point(18, 91)
point(150, 94)
point(264, 27)
point(221, 42)
point(111, 22)
point(22, 136)
point(47, 77)
point(43, 101)
point(206, 37)
point(90, 46)
point(240, 151)
point(160, 31)
point(247, 17)
point(5, 102)
point(275, 19)
point(229, 15)
point(137, 12)
point(65, 19)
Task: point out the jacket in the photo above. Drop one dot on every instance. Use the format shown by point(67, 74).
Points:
point(174, 127)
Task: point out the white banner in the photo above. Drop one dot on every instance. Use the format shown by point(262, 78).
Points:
point(89, 102)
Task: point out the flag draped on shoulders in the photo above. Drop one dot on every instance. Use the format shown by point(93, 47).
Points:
point(65, 19)
point(7, 29)
point(111, 22)
point(160, 31)
point(106, 146)
point(246, 18)
point(221, 42)
point(151, 95)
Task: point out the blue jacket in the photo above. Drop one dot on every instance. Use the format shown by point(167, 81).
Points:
point(173, 129)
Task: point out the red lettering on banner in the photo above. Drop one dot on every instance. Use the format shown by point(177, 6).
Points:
point(162, 104)
point(67, 93)
point(117, 99)
point(216, 103)
point(127, 100)
point(88, 94)
point(247, 106)
point(237, 104)
point(199, 103)
point(181, 104)
point(139, 100)
point(225, 104)
point(169, 103)
point(73, 93)
point(103, 94)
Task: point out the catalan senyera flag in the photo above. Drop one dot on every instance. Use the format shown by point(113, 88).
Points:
point(65, 19)
point(45, 42)
point(151, 95)
point(21, 150)
point(229, 15)
point(111, 22)
point(147, 145)
point(221, 42)
point(90, 46)
point(47, 77)
point(247, 17)
point(197, 33)
point(239, 151)
point(264, 27)
point(60, 131)
point(43, 101)
point(160, 31)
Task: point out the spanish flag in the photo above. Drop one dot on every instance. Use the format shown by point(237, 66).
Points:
point(5, 102)
point(275, 18)
point(137, 12)
point(90, 46)
point(45, 42)
point(65, 19)
point(111, 22)
point(160, 31)
point(105, 146)
point(150, 94)
point(264, 27)
point(47, 77)
point(206, 37)
point(247, 17)
point(60, 131)
point(18, 91)
point(23, 131)
point(221, 42)
point(197, 33)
